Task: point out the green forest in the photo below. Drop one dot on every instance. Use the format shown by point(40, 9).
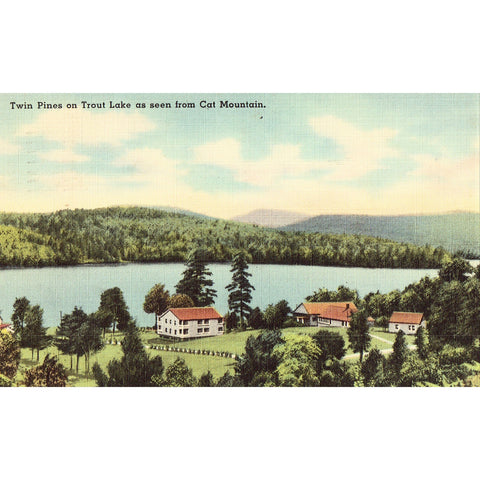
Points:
point(138, 234)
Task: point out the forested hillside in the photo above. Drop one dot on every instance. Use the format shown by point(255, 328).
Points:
point(138, 234)
point(457, 232)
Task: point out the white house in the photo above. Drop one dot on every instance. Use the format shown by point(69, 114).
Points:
point(194, 322)
point(335, 314)
point(406, 321)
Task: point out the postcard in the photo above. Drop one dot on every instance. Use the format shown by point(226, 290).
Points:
point(239, 240)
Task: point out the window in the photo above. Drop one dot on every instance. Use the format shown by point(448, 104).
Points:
point(199, 330)
point(174, 322)
point(200, 322)
point(170, 331)
point(206, 322)
point(170, 321)
point(206, 330)
point(220, 329)
point(396, 326)
point(185, 331)
point(175, 332)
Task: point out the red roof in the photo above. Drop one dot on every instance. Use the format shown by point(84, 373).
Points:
point(406, 317)
point(195, 313)
point(332, 310)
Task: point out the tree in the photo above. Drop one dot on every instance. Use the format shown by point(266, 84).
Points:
point(258, 356)
point(9, 355)
point(358, 333)
point(113, 310)
point(421, 341)
point(276, 315)
point(331, 344)
point(134, 369)
point(240, 289)
point(67, 334)
point(34, 334)
point(399, 354)
point(20, 308)
point(373, 368)
point(231, 321)
point(196, 282)
point(256, 320)
point(88, 340)
point(297, 360)
point(206, 380)
point(156, 300)
point(50, 374)
point(455, 269)
point(180, 300)
point(177, 374)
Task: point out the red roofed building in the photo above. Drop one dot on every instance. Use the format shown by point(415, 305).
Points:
point(334, 314)
point(194, 322)
point(6, 327)
point(406, 321)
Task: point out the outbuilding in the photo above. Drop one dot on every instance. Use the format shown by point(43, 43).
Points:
point(406, 321)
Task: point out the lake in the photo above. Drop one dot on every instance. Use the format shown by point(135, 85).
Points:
point(59, 289)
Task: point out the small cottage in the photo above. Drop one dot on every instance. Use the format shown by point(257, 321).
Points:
point(406, 321)
point(194, 322)
point(327, 314)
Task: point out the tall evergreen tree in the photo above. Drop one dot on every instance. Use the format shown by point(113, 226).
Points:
point(373, 368)
point(240, 289)
point(196, 282)
point(399, 354)
point(88, 339)
point(20, 308)
point(67, 333)
point(421, 341)
point(34, 334)
point(358, 334)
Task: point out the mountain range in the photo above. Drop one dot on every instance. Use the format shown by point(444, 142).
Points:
point(457, 231)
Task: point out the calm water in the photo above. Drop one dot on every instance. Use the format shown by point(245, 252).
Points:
point(59, 289)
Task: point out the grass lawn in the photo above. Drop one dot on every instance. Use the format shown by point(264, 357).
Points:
point(198, 363)
point(230, 342)
point(234, 342)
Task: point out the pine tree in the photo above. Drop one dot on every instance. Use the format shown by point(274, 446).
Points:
point(240, 289)
point(34, 334)
point(67, 333)
point(421, 341)
point(358, 334)
point(195, 282)
point(399, 354)
point(20, 308)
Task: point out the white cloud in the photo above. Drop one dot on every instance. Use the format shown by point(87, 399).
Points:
point(71, 181)
point(283, 161)
point(361, 150)
point(72, 127)
point(64, 156)
point(150, 165)
point(7, 148)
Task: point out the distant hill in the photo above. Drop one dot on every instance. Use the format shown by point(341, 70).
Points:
point(180, 211)
point(271, 218)
point(459, 231)
point(139, 234)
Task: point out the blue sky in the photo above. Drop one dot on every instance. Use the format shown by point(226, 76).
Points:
point(311, 153)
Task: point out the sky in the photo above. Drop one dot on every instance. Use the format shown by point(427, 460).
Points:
point(377, 154)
